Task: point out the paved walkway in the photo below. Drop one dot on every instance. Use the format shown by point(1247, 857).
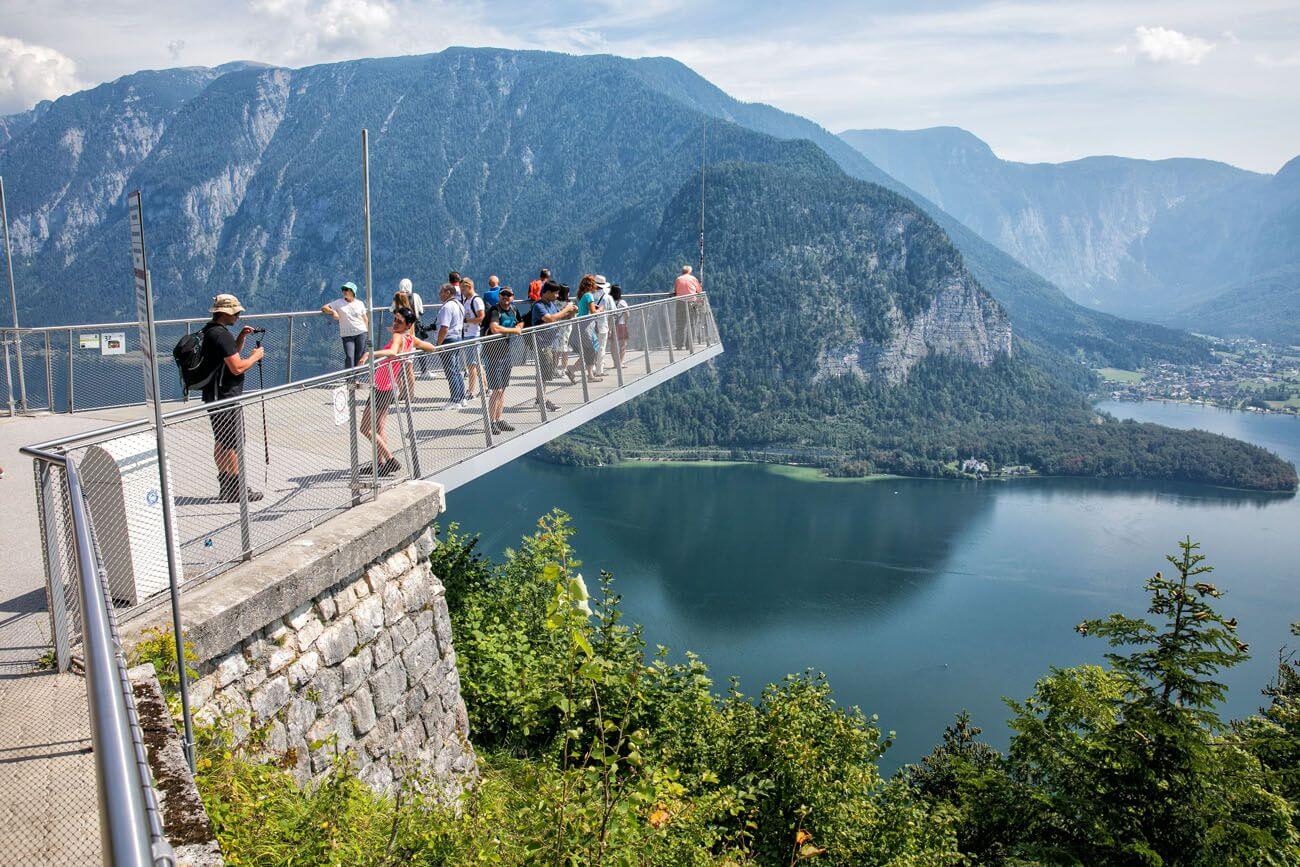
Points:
point(48, 813)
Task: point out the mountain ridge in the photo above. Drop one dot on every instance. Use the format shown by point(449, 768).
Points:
point(1145, 238)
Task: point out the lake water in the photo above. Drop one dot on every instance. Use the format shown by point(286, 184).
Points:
point(917, 597)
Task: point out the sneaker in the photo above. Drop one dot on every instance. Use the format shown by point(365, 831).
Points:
point(453, 404)
point(464, 404)
point(505, 426)
point(495, 429)
point(389, 467)
point(552, 407)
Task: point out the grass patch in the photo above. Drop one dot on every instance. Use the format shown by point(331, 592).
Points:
point(1118, 374)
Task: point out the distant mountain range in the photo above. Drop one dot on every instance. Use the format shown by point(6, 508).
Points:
point(839, 292)
point(1196, 243)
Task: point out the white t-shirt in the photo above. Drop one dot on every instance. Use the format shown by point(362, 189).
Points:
point(476, 307)
point(601, 299)
point(352, 316)
point(452, 316)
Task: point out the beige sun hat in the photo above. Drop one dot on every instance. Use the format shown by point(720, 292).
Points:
point(226, 304)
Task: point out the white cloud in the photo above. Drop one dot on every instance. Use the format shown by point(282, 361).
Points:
point(30, 73)
point(325, 29)
point(1161, 45)
point(175, 47)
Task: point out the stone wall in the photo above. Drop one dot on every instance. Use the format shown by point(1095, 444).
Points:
point(339, 640)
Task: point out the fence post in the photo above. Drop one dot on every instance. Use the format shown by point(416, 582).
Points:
point(688, 310)
point(288, 365)
point(55, 586)
point(616, 343)
point(71, 393)
point(49, 375)
point(645, 339)
point(353, 452)
point(185, 392)
point(407, 388)
point(583, 342)
point(482, 392)
point(245, 529)
point(537, 371)
point(9, 380)
point(668, 324)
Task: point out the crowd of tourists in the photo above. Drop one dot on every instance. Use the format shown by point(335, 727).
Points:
point(482, 371)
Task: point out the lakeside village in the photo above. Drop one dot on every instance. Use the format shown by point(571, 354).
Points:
point(1246, 375)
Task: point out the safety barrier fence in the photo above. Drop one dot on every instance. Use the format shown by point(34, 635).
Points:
point(67, 368)
point(130, 823)
point(310, 450)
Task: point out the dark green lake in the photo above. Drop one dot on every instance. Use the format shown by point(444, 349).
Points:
point(917, 597)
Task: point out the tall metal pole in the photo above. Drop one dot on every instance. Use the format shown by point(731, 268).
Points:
point(704, 138)
point(164, 482)
point(370, 305)
point(13, 296)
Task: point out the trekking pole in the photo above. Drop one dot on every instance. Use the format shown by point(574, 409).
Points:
point(266, 443)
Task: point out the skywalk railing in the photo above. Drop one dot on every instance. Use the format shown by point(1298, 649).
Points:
point(130, 823)
point(305, 452)
point(70, 368)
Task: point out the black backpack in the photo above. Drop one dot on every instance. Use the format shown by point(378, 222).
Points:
point(188, 353)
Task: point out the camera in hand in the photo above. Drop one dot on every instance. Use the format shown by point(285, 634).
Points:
point(257, 331)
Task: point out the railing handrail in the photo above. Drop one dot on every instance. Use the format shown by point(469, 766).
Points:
point(189, 412)
point(129, 827)
point(195, 320)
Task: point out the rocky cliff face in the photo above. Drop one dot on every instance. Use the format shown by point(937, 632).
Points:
point(961, 321)
point(1118, 234)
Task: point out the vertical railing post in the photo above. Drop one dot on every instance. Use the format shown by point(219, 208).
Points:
point(669, 321)
point(371, 336)
point(13, 296)
point(48, 492)
point(49, 375)
point(354, 453)
point(688, 310)
point(407, 374)
point(245, 528)
point(185, 392)
point(9, 379)
point(616, 343)
point(645, 339)
point(482, 392)
point(537, 371)
point(71, 393)
point(583, 343)
point(288, 365)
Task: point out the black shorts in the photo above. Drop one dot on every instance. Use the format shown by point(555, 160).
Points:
point(228, 427)
point(384, 400)
point(498, 373)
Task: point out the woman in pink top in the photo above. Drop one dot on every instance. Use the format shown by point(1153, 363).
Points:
point(389, 375)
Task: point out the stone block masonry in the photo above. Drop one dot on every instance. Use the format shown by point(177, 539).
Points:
point(337, 642)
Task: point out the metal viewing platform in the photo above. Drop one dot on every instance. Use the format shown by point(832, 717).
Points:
point(304, 449)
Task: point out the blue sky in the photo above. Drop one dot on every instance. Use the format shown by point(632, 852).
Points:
point(1040, 81)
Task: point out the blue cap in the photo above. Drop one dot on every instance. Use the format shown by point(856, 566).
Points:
point(350, 287)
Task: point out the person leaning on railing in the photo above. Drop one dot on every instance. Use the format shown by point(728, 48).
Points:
point(354, 323)
point(686, 286)
point(545, 312)
point(391, 374)
point(225, 366)
point(503, 321)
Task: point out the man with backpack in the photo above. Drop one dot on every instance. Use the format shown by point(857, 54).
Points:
point(535, 287)
point(220, 371)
